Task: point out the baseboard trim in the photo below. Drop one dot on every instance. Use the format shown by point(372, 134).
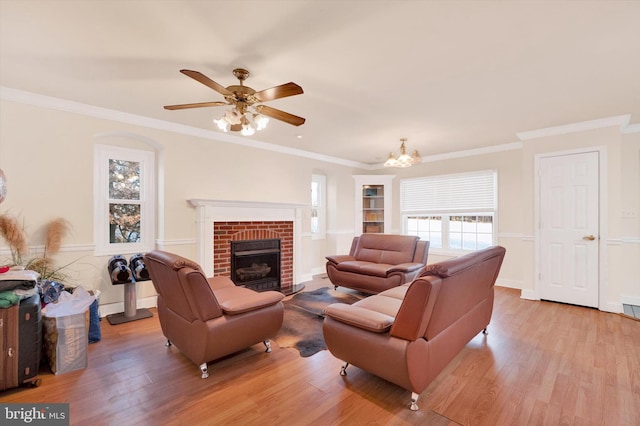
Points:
point(528, 294)
point(116, 308)
point(630, 300)
point(613, 307)
point(306, 277)
point(509, 283)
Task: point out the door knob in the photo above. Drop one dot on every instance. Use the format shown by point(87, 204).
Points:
point(589, 237)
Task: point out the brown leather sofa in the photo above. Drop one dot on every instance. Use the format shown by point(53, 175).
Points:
point(408, 334)
point(208, 318)
point(377, 262)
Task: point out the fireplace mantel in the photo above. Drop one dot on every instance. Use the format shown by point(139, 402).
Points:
point(210, 211)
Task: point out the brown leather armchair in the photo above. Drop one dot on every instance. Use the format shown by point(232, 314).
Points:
point(408, 334)
point(377, 262)
point(208, 318)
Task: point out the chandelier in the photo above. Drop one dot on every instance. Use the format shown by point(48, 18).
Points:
point(404, 160)
point(242, 118)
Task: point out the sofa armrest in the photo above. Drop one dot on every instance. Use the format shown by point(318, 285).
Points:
point(340, 258)
point(417, 306)
point(407, 267)
point(365, 319)
point(451, 267)
point(219, 282)
point(250, 301)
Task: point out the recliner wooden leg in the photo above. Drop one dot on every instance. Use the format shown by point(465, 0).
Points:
point(267, 343)
point(414, 401)
point(203, 368)
point(343, 370)
point(168, 343)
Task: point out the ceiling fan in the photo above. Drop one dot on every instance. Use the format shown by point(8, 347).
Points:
point(248, 114)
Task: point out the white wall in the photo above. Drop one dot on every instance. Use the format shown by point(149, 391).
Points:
point(626, 256)
point(47, 156)
point(516, 207)
point(508, 164)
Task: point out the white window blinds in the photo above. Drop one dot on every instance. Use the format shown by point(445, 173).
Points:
point(464, 192)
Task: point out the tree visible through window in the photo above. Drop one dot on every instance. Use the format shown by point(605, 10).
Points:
point(124, 201)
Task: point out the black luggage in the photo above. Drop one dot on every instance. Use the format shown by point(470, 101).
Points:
point(21, 343)
point(9, 345)
point(29, 341)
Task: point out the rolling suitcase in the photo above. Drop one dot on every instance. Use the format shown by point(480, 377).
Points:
point(9, 346)
point(29, 341)
point(21, 343)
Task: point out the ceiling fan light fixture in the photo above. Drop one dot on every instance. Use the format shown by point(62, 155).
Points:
point(222, 124)
point(404, 159)
point(233, 116)
point(247, 130)
point(261, 121)
point(247, 113)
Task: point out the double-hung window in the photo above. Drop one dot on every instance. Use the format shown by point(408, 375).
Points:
point(124, 200)
point(453, 212)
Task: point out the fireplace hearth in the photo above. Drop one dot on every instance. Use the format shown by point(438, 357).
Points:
point(255, 264)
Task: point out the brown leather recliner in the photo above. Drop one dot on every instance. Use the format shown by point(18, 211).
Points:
point(377, 262)
point(208, 318)
point(408, 334)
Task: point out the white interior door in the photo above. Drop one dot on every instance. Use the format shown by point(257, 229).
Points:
point(569, 234)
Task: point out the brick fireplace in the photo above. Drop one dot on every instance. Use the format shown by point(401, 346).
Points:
point(218, 222)
point(225, 232)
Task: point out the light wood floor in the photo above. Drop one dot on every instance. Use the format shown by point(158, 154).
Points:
point(541, 364)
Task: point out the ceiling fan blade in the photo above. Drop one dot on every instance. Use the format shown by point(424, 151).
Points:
point(198, 76)
point(196, 105)
point(280, 115)
point(282, 91)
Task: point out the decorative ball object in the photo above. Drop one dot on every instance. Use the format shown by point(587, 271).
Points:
point(3, 186)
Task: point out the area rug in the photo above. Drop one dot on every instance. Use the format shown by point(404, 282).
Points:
point(302, 326)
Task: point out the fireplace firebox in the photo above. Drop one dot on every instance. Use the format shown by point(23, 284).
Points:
point(255, 264)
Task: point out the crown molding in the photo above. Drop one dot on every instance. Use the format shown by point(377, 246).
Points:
point(34, 99)
point(631, 128)
point(621, 121)
point(466, 153)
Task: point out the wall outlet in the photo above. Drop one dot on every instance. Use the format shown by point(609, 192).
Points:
point(628, 213)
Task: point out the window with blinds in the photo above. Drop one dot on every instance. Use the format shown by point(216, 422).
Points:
point(455, 212)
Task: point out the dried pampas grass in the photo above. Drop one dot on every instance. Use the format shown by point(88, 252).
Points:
point(39, 264)
point(15, 237)
point(58, 229)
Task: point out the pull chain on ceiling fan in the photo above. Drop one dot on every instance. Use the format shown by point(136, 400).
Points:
point(248, 114)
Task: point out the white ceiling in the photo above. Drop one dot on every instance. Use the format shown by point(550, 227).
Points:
point(448, 75)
